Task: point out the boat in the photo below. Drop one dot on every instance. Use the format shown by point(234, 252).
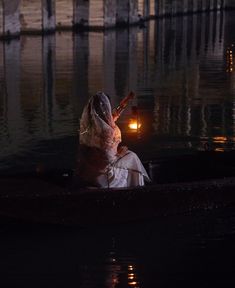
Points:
point(55, 198)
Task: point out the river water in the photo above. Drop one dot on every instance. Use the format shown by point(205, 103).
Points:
point(186, 250)
point(182, 71)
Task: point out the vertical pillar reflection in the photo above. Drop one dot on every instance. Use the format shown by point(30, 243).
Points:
point(95, 62)
point(1, 19)
point(30, 15)
point(146, 9)
point(80, 62)
point(11, 83)
point(80, 13)
point(122, 62)
point(64, 13)
point(133, 11)
point(48, 15)
point(109, 13)
point(48, 59)
point(10, 17)
point(109, 64)
point(122, 12)
point(133, 61)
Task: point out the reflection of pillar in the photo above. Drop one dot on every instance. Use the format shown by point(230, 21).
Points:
point(215, 3)
point(195, 3)
point(81, 13)
point(179, 7)
point(95, 62)
point(185, 6)
point(174, 7)
point(199, 6)
point(207, 5)
point(190, 6)
point(96, 13)
point(162, 7)
point(109, 13)
point(168, 7)
point(221, 4)
point(48, 58)
point(159, 7)
point(203, 5)
point(133, 61)
point(133, 11)
point(12, 90)
point(211, 4)
point(30, 15)
point(122, 12)
point(122, 62)
point(152, 8)
point(109, 63)
point(10, 17)
point(48, 15)
point(64, 14)
point(80, 62)
point(1, 19)
point(146, 9)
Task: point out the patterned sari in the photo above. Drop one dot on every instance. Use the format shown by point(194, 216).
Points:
point(99, 162)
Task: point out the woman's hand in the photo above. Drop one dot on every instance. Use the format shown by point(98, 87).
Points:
point(115, 114)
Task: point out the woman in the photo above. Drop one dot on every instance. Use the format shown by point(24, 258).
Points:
point(102, 163)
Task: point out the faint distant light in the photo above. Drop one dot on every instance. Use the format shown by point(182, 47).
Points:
point(219, 149)
point(130, 267)
point(133, 283)
point(229, 59)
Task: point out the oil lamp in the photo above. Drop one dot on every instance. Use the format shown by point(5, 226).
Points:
point(134, 123)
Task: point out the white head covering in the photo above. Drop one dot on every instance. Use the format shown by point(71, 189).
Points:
point(97, 127)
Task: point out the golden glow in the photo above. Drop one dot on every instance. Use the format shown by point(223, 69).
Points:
point(132, 277)
point(220, 139)
point(133, 283)
point(229, 59)
point(134, 125)
point(219, 150)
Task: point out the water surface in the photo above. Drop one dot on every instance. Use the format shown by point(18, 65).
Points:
point(181, 68)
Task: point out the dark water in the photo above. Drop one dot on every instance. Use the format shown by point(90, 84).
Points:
point(182, 70)
point(188, 250)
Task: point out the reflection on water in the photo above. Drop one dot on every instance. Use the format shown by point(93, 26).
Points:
point(181, 68)
point(182, 251)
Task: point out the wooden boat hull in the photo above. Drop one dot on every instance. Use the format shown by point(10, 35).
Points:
point(42, 202)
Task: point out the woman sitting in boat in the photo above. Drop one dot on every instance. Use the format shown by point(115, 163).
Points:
point(102, 161)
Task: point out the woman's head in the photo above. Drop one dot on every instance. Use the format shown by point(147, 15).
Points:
point(100, 103)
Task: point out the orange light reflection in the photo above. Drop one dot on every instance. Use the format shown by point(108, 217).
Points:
point(220, 139)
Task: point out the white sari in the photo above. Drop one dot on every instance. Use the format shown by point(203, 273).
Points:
point(100, 164)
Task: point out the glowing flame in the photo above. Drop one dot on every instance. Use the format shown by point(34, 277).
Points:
point(134, 125)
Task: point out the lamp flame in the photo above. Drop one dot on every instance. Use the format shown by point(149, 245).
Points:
point(134, 125)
